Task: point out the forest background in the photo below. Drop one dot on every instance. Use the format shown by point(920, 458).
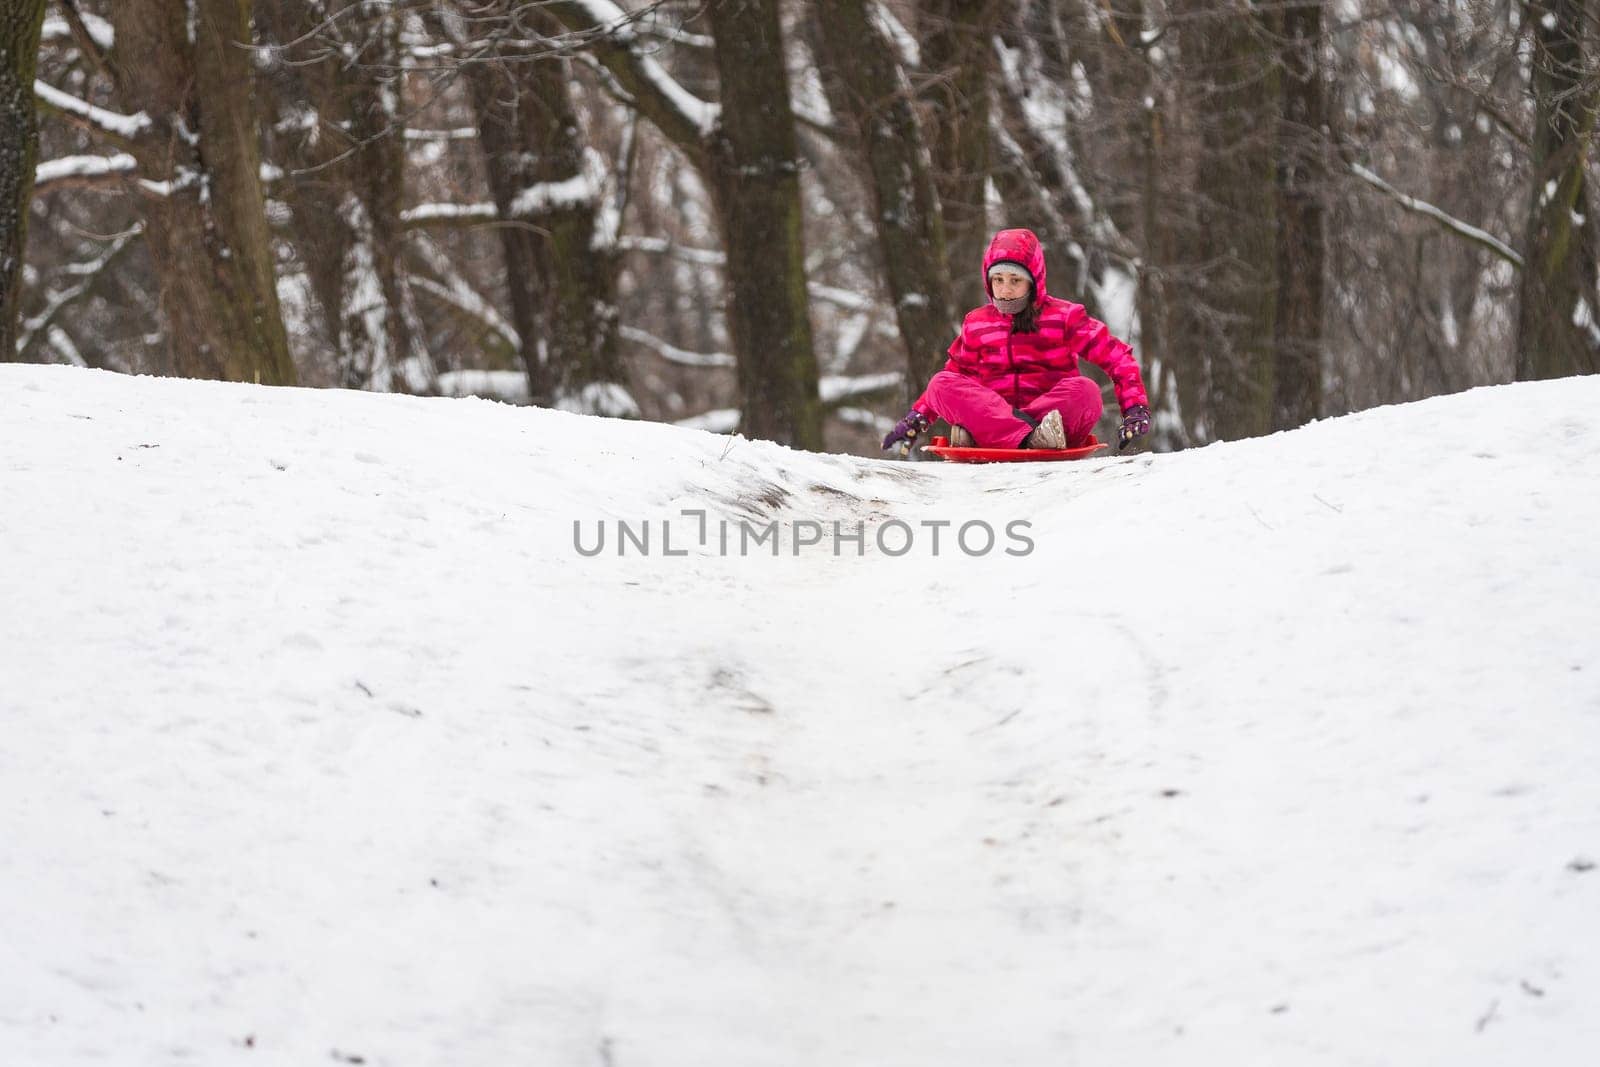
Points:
point(768, 217)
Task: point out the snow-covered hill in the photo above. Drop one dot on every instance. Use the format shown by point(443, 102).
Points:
point(324, 742)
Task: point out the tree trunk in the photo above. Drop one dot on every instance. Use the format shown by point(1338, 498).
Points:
point(957, 58)
point(1557, 320)
point(1302, 246)
point(562, 288)
point(1226, 321)
point(755, 183)
point(871, 87)
point(345, 155)
point(19, 149)
point(205, 224)
point(387, 314)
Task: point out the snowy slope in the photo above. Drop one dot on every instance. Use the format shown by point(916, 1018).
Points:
point(323, 743)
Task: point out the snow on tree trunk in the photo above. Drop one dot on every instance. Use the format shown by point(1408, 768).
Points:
point(20, 27)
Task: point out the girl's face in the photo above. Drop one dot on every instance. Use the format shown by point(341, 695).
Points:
point(1008, 286)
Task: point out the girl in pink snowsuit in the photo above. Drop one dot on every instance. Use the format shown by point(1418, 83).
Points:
point(1012, 379)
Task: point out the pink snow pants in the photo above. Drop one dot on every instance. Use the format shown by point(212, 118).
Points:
point(988, 416)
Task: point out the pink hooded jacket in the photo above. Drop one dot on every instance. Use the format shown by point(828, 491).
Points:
point(1022, 366)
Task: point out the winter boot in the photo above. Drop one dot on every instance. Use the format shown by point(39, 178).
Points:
point(1048, 434)
point(960, 437)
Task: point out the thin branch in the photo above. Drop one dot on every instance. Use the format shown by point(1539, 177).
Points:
point(89, 274)
point(837, 388)
point(1452, 224)
point(457, 293)
point(660, 246)
point(672, 353)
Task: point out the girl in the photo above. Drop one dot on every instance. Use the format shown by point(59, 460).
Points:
point(1012, 379)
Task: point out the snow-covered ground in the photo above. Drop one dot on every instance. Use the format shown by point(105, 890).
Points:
point(321, 741)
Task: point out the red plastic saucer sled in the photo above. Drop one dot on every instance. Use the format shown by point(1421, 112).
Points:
point(941, 447)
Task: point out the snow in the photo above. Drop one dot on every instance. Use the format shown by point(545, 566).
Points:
point(672, 353)
point(834, 387)
point(70, 167)
point(458, 133)
point(601, 398)
point(364, 302)
point(705, 257)
point(187, 178)
point(719, 420)
point(324, 742)
point(580, 190)
point(125, 126)
point(905, 45)
point(100, 31)
point(508, 385)
point(429, 214)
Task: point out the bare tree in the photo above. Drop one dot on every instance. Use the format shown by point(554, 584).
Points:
point(874, 93)
point(1558, 331)
point(745, 149)
point(957, 65)
point(1227, 254)
point(560, 264)
point(1302, 244)
point(20, 26)
point(335, 90)
point(203, 207)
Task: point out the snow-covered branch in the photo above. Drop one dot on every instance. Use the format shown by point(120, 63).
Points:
point(579, 191)
point(1449, 222)
point(849, 299)
point(88, 275)
point(672, 353)
point(542, 198)
point(718, 420)
point(460, 133)
point(455, 292)
point(82, 171)
point(466, 302)
point(660, 246)
point(906, 48)
point(449, 215)
point(125, 128)
point(682, 117)
point(510, 386)
point(59, 29)
point(834, 388)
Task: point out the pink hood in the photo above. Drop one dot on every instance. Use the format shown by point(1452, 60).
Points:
point(1019, 246)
